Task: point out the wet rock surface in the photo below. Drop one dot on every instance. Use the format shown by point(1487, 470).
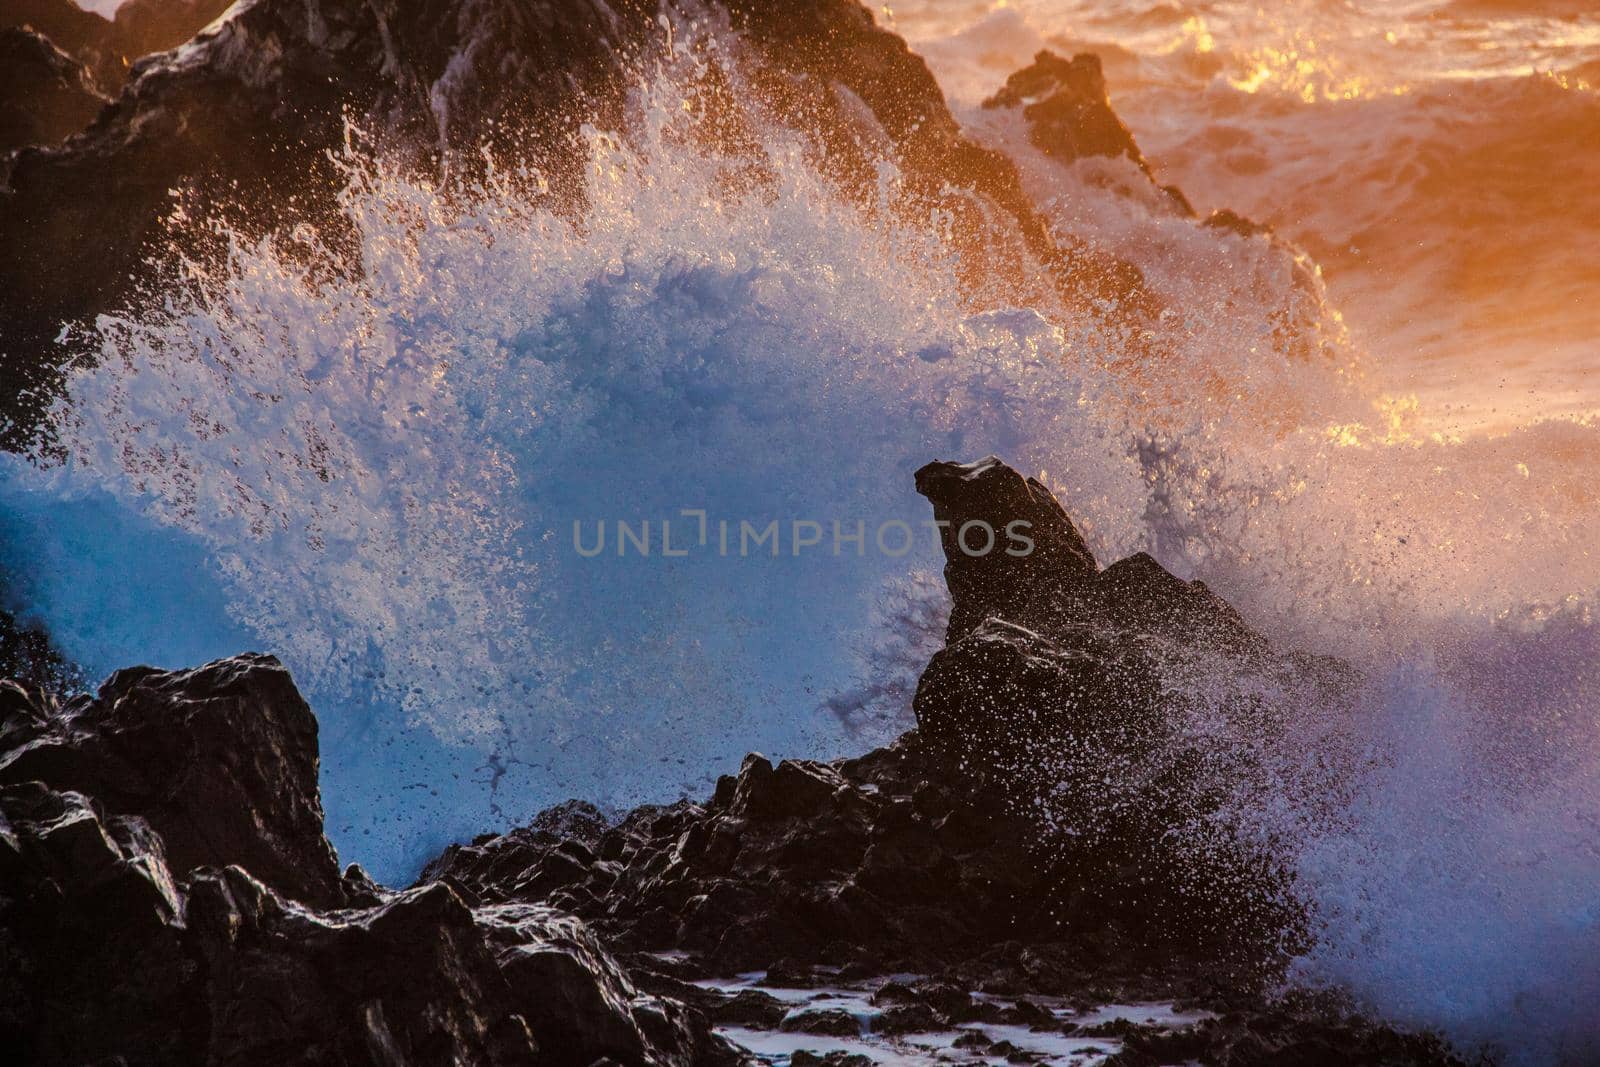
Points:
point(107, 47)
point(1068, 112)
point(134, 927)
point(912, 1021)
point(1038, 806)
point(167, 895)
point(942, 860)
point(220, 761)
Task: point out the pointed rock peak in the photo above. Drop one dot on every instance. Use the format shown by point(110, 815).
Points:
point(1069, 115)
point(1010, 549)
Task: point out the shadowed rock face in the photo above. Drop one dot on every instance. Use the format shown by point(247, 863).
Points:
point(79, 33)
point(1040, 799)
point(220, 761)
point(134, 928)
point(108, 46)
point(167, 895)
point(1069, 115)
point(1054, 670)
point(45, 94)
point(1016, 581)
point(1055, 585)
point(144, 27)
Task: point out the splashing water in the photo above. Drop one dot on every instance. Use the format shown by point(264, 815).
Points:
point(375, 473)
point(1438, 157)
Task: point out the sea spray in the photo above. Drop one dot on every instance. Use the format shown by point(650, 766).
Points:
point(374, 471)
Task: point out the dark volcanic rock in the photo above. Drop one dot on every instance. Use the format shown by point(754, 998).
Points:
point(820, 1020)
point(1027, 838)
point(1069, 115)
point(245, 115)
point(1055, 584)
point(1054, 678)
point(751, 1007)
point(143, 27)
point(221, 761)
point(1297, 1031)
point(805, 861)
point(77, 32)
point(132, 932)
point(987, 571)
point(45, 94)
point(1041, 801)
point(108, 46)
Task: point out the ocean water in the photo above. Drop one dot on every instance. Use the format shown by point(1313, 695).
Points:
point(1439, 158)
point(375, 473)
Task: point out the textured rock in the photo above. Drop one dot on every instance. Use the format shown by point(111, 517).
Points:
point(1302, 1030)
point(221, 761)
point(108, 46)
point(1062, 103)
point(1056, 584)
point(143, 27)
point(79, 33)
point(131, 930)
point(1042, 800)
point(1026, 839)
point(1068, 112)
point(45, 94)
point(1020, 581)
point(1046, 828)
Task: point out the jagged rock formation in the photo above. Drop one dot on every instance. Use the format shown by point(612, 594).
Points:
point(45, 94)
point(1064, 107)
point(145, 27)
point(1068, 112)
point(167, 896)
point(220, 761)
point(919, 859)
point(108, 46)
point(244, 115)
point(77, 32)
point(1041, 799)
point(1068, 115)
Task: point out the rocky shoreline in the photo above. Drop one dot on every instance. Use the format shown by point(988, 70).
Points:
point(167, 894)
point(1034, 874)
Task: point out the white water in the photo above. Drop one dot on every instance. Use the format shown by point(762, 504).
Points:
point(1440, 158)
point(375, 476)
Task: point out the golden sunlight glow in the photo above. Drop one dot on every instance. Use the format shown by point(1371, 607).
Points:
point(1399, 422)
point(1300, 68)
